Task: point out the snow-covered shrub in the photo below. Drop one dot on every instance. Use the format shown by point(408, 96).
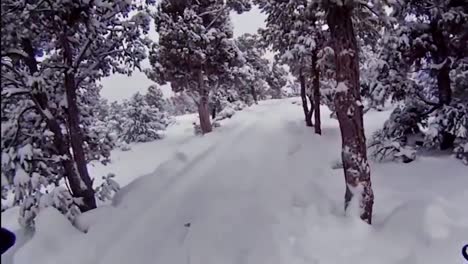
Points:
point(197, 129)
point(142, 122)
point(450, 119)
point(239, 105)
point(227, 112)
point(461, 151)
point(59, 198)
point(99, 141)
point(392, 141)
point(124, 146)
point(383, 148)
point(108, 188)
point(216, 124)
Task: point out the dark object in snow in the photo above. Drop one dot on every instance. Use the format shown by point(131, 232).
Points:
point(7, 240)
point(407, 159)
point(187, 225)
point(465, 252)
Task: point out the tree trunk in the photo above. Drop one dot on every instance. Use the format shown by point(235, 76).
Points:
point(440, 56)
point(316, 93)
point(76, 135)
point(254, 94)
point(349, 110)
point(61, 142)
point(213, 112)
point(203, 107)
point(305, 106)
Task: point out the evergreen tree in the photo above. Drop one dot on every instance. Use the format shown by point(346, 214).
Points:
point(155, 98)
point(426, 54)
point(142, 122)
point(81, 41)
point(295, 31)
point(297, 44)
point(195, 49)
point(276, 80)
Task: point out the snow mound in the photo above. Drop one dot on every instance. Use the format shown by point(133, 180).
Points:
point(53, 233)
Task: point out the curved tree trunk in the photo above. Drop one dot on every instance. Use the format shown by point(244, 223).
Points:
point(316, 93)
point(349, 111)
point(305, 105)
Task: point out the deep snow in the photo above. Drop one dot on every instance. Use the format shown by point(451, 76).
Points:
point(260, 189)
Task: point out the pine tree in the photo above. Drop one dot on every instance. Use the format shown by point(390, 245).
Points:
point(80, 42)
point(251, 77)
point(195, 48)
point(426, 53)
point(296, 34)
point(142, 122)
point(155, 98)
point(341, 17)
point(276, 80)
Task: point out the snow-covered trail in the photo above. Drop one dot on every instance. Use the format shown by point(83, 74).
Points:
point(230, 195)
point(260, 189)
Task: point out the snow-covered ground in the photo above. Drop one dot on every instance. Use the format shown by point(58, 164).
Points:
point(260, 189)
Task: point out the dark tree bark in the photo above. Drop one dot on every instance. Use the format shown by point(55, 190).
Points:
point(213, 112)
point(316, 93)
point(440, 56)
point(76, 134)
point(254, 94)
point(305, 105)
point(203, 107)
point(349, 112)
point(61, 141)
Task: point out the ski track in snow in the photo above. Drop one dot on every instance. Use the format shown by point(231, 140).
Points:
point(260, 189)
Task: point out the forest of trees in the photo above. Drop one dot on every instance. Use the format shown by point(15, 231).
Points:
point(351, 56)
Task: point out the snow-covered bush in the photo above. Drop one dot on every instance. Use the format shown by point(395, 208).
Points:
point(227, 112)
point(108, 188)
point(395, 140)
point(124, 146)
point(461, 151)
point(58, 197)
point(142, 122)
point(450, 119)
point(197, 129)
point(383, 148)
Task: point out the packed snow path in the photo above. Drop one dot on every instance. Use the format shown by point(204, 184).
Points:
point(260, 189)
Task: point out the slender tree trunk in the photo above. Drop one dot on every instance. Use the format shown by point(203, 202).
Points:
point(254, 94)
point(61, 142)
point(440, 56)
point(76, 134)
point(203, 107)
point(349, 111)
point(213, 112)
point(316, 93)
point(305, 105)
